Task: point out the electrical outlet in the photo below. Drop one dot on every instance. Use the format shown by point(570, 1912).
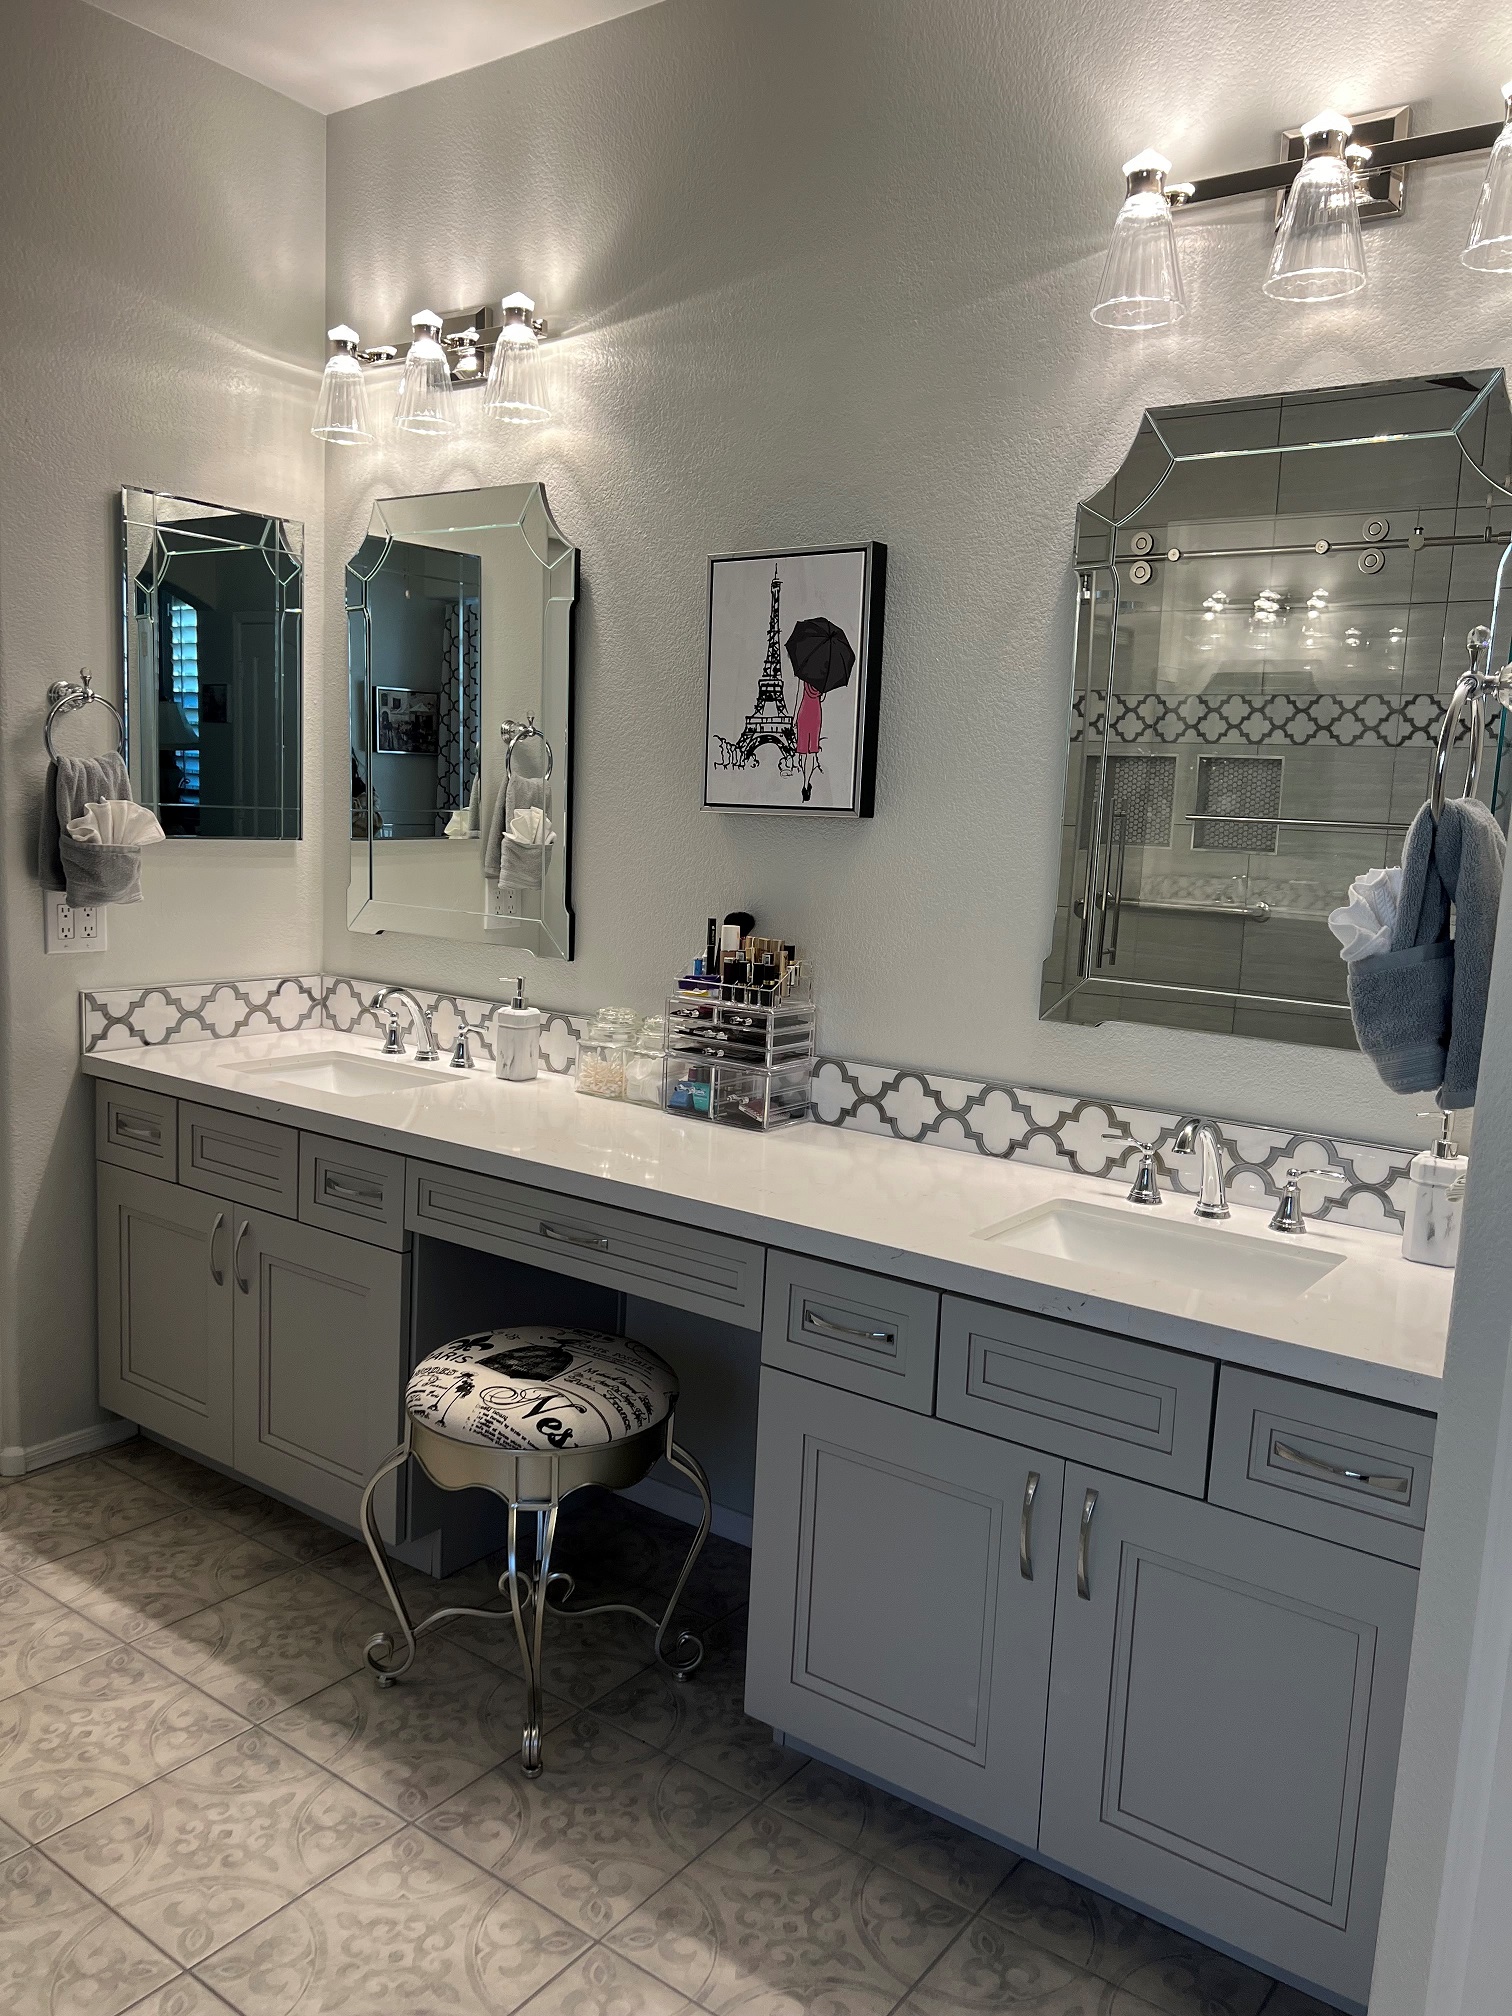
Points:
point(74, 930)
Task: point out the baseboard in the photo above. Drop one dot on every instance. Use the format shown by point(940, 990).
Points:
point(683, 1505)
point(16, 1461)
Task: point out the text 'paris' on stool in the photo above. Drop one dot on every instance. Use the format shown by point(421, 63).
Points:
point(533, 1415)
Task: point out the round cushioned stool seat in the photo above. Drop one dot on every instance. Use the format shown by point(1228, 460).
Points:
point(548, 1389)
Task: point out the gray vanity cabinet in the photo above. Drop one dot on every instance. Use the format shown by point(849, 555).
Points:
point(320, 1333)
point(1225, 1707)
point(902, 1596)
point(165, 1309)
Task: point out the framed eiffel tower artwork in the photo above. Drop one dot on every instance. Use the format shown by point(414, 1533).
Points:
point(794, 680)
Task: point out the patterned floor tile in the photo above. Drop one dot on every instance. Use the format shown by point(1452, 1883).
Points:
point(1165, 1969)
point(62, 1953)
point(1292, 2002)
point(215, 1847)
point(410, 1927)
point(86, 1739)
point(11, 1843)
point(603, 1984)
point(703, 1720)
point(582, 1658)
point(617, 1551)
point(602, 1829)
point(40, 1638)
point(165, 1470)
point(160, 1573)
point(352, 1566)
point(990, 1971)
point(77, 1505)
point(276, 1525)
point(183, 1997)
point(944, 1858)
point(774, 1919)
point(276, 1644)
point(413, 1745)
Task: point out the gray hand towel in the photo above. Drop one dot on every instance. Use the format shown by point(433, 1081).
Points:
point(517, 792)
point(72, 783)
point(1470, 856)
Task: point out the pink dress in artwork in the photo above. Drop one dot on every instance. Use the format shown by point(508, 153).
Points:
point(809, 719)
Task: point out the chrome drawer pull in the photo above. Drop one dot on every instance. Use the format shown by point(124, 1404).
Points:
point(215, 1273)
point(147, 1131)
point(570, 1236)
point(241, 1281)
point(1398, 1487)
point(823, 1327)
point(1083, 1587)
point(353, 1193)
point(1026, 1524)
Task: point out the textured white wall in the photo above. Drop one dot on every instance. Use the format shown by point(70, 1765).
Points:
point(822, 271)
point(162, 246)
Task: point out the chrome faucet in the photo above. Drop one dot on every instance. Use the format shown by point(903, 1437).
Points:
point(1201, 1137)
point(462, 1057)
point(393, 1042)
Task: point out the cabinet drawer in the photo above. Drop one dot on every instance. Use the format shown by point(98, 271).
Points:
point(1351, 1470)
point(859, 1331)
point(1133, 1408)
point(136, 1130)
point(233, 1155)
point(691, 1269)
point(350, 1189)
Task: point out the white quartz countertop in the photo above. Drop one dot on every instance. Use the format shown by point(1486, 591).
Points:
point(1374, 1325)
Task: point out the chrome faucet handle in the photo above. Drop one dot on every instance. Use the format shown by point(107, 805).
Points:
point(462, 1057)
point(1145, 1188)
point(1288, 1214)
point(393, 1038)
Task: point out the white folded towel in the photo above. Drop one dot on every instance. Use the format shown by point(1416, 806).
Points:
point(115, 822)
point(1363, 925)
point(528, 825)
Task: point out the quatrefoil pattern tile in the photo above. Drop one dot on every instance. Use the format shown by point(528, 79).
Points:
point(186, 1011)
point(348, 1006)
point(1095, 1136)
point(1348, 721)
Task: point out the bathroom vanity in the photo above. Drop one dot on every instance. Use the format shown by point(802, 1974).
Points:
point(1115, 1562)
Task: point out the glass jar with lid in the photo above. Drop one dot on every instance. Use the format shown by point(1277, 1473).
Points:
point(643, 1064)
point(602, 1052)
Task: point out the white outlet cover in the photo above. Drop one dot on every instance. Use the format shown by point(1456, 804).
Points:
point(69, 930)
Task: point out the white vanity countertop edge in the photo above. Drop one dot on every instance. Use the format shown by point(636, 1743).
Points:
point(1375, 1326)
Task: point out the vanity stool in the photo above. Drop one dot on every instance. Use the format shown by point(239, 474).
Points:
point(533, 1415)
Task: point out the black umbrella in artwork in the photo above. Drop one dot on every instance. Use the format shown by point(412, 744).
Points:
point(820, 654)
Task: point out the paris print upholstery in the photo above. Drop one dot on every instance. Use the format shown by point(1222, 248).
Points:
point(541, 1389)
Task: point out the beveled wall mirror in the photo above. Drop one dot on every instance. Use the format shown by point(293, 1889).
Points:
point(459, 649)
point(1273, 601)
point(212, 603)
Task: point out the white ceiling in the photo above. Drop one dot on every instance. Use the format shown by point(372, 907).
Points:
point(330, 54)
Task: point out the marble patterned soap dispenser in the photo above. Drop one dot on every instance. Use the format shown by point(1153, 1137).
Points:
point(1435, 1203)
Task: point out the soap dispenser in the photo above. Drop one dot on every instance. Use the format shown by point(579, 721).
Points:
point(517, 1038)
point(1436, 1177)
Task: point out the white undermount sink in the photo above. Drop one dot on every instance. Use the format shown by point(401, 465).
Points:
point(352, 1074)
point(1177, 1251)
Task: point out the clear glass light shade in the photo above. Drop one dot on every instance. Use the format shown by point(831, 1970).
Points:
point(1141, 281)
point(1489, 246)
point(1319, 253)
point(341, 413)
point(425, 399)
point(516, 382)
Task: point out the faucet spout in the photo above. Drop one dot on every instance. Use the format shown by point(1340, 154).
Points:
point(427, 1052)
point(1202, 1138)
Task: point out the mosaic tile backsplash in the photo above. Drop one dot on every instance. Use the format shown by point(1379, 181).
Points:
point(973, 1115)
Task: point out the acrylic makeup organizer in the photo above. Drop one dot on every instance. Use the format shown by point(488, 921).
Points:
point(739, 1054)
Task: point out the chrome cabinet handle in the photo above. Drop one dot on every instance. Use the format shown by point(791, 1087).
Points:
point(138, 1130)
point(1026, 1527)
point(821, 1326)
point(242, 1230)
point(215, 1273)
point(570, 1236)
point(1089, 1506)
point(1398, 1487)
point(352, 1193)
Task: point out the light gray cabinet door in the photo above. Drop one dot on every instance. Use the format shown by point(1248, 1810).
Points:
point(901, 1598)
point(165, 1309)
point(1225, 1709)
point(320, 1333)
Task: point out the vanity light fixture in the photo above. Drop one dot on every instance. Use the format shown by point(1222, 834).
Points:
point(1329, 181)
point(341, 413)
point(425, 397)
point(516, 389)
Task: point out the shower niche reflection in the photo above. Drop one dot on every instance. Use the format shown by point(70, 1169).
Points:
point(1273, 601)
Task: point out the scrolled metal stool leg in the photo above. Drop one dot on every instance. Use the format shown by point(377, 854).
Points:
point(379, 1650)
point(522, 1596)
point(686, 1654)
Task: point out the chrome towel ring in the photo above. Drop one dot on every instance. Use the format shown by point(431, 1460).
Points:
point(1471, 690)
point(516, 735)
point(65, 696)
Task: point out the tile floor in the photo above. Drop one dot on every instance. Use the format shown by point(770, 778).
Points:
point(206, 1804)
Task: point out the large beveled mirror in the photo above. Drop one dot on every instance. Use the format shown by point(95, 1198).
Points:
point(213, 607)
point(459, 647)
point(1274, 597)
